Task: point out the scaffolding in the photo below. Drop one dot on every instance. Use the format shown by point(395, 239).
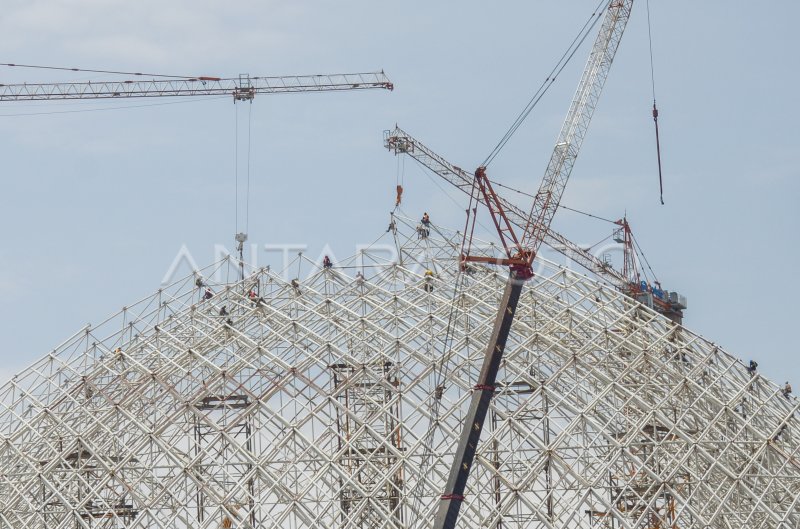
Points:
point(336, 402)
point(368, 416)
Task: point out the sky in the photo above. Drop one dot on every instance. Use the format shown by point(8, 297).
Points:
point(98, 198)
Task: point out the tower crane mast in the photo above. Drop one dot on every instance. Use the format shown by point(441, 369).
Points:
point(521, 250)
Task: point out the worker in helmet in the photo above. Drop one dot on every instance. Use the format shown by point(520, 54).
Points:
point(208, 294)
point(428, 281)
point(254, 298)
point(426, 220)
point(326, 262)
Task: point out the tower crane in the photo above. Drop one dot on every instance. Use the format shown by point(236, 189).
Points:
point(521, 249)
point(242, 88)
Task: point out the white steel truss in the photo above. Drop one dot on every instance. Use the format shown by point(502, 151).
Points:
point(335, 402)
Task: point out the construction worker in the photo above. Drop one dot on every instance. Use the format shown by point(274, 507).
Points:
point(787, 389)
point(296, 286)
point(254, 298)
point(426, 220)
point(422, 231)
point(326, 262)
point(751, 368)
point(428, 281)
point(780, 432)
point(208, 294)
point(223, 311)
point(360, 278)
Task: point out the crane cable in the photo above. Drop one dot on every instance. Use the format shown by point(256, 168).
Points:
point(247, 197)
point(655, 109)
point(644, 258)
point(548, 82)
point(561, 206)
point(236, 169)
point(113, 72)
point(441, 364)
point(399, 181)
point(241, 237)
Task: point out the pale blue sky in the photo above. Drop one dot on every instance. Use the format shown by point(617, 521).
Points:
point(96, 204)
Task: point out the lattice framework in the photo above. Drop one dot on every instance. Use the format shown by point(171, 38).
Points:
point(334, 404)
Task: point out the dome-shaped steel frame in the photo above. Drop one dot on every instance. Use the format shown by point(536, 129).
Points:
point(336, 401)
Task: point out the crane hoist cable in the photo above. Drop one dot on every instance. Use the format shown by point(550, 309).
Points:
point(548, 82)
point(236, 169)
point(249, 142)
point(655, 108)
point(399, 181)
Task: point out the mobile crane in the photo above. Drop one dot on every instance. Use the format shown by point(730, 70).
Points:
point(521, 249)
point(628, 280)
point(399, 141)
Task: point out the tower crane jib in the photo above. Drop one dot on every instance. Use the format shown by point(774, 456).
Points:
point(243, 87)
